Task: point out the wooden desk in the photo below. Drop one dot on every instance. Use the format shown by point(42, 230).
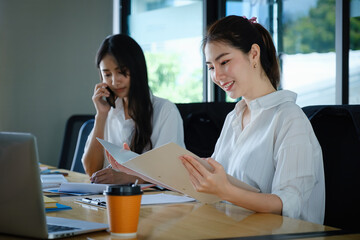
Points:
point(197, 221)
point(193, 221)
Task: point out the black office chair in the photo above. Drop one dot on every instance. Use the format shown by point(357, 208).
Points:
point(338, 131)
point(202, 125)
point(79, 150)
point(72, 128)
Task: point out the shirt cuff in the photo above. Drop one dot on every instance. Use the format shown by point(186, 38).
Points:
point(290, 200)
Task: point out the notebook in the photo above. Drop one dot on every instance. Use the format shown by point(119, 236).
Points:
point(21, 201)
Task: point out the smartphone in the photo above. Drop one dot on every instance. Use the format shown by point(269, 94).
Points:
point(111, 98)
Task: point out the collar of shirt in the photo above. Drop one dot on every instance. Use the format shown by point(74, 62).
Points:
point(260, 104)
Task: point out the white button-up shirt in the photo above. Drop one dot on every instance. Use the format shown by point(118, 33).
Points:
point(277, 152)
point(167, 125)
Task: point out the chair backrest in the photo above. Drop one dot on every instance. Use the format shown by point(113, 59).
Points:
point(80, 144)
point(72, 128)
point(337, 128)
point(202, 125)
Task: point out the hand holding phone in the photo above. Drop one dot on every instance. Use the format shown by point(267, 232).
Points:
point(111, 98)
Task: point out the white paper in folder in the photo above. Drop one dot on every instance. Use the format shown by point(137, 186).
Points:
point(163, 167)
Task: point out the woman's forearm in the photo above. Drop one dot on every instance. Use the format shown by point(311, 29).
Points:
point(257, 202)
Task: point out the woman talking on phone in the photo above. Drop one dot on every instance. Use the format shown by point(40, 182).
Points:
point(137, 119)
point(266, 141)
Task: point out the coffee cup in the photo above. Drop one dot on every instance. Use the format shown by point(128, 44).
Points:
point(123, 207)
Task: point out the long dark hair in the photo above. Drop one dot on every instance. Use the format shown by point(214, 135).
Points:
point(131, 60)
point(242, 34)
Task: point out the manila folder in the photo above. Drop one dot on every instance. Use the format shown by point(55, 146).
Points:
point(163, 166)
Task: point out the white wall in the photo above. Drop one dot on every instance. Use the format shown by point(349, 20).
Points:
point(47, 66)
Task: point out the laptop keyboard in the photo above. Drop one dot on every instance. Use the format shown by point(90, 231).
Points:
point(58, 228)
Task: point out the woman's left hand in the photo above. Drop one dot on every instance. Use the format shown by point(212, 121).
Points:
point(118, 166)
point(110, 176)
point(203, 180)
point(121, 168)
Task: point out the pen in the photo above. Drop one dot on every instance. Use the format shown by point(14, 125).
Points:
point(93, 202)
point(87, 200)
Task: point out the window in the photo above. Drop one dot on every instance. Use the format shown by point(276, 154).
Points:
point(354, 53)
point(248, 8)
point(170, 34)
point(305, 42)
point(309, 50)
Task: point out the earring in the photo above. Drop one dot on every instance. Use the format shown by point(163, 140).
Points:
point(254, 65)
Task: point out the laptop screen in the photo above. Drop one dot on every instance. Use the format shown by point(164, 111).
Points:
point(22, 207)
point(21, 202)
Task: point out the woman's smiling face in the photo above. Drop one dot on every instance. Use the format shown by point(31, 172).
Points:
point(229, 68)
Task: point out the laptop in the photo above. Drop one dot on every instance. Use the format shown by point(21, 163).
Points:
point(22, 210)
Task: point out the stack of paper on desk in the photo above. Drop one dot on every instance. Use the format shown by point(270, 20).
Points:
point(49, 202)
point(51, 205)
point(83, 188)
point(163, 167)
point(53, 180)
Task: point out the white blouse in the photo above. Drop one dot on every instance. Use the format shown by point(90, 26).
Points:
point(277, 152)
point(167, 125)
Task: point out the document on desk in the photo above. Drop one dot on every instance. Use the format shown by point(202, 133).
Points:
point(77, 189)
point(51, 181)
point(91, 188)
point(146, 199)
point(163, 167)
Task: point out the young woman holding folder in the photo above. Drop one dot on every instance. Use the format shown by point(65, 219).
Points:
point(126, 111)
point(266, 141)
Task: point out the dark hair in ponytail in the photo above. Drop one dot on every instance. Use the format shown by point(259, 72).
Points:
point(242, 34)
point(131, 60)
